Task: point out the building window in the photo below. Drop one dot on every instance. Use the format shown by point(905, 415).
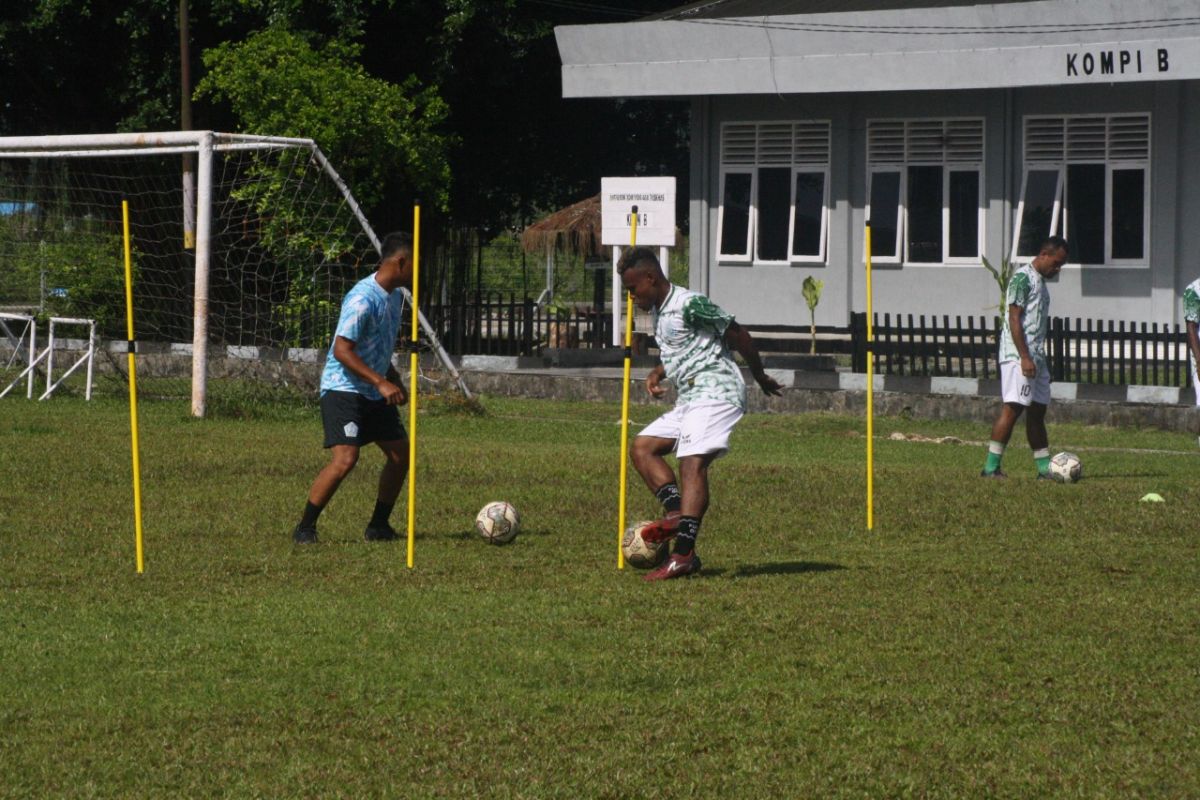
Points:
point(1086, 179)
point(925, 190)
point(774, 192)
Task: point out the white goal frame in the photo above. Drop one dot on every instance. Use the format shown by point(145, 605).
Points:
point(30, 324)
point(203, 144)
point(47, 355)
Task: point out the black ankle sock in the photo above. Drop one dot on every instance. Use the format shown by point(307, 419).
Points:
point(382, 511)
point(685, 537)
point(311, 512)
point(668, 495)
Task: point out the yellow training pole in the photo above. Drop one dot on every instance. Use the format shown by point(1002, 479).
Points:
point(133, 414)
point(870, 395)
point(412, 384)
point(625, 400)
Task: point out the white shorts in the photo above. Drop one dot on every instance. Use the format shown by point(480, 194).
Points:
point(697, 428)
point(1196, 383)
point(1016, 388)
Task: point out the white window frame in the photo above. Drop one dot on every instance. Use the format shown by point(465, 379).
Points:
point(980, 216)
point(1056, 214)
point(898, 245)
point(751, 167)
point(947, 165)
point(1115, 166)
point(1059, 222)
point(737, 258)
point(820, 256)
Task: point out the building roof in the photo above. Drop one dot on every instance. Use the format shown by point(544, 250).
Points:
point(575, 229)
point(717, 9)
point(801, 46)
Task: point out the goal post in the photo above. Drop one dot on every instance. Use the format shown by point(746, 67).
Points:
point(278, 240)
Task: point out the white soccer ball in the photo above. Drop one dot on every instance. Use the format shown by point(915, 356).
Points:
point(640, 553)
point(498, 522)
point(1066, 468)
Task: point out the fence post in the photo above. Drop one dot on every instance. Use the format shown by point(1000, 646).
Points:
point(858, 333)
point(1056, 348)
point(527, 327)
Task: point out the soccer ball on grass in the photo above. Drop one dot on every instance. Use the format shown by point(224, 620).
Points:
point(1066, 468)
point(640, 553)
point(498, 522)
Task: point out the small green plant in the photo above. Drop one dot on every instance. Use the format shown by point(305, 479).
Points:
point(812, 295)
point(558, 309)
point(1002, 274)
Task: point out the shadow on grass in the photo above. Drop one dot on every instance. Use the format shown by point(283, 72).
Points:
point(780, 568)
point(472, 534)
point(1093, 477)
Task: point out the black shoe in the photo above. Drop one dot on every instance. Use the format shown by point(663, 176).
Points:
point(305, 534)
point(380, 534)
point(994, 474)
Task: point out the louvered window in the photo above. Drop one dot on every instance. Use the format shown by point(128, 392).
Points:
point(1086, 179)
point(925, 190)
point(774, 192)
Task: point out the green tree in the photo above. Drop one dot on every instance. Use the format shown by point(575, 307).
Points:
point(279, 83)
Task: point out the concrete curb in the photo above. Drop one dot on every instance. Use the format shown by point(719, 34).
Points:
point(1167, 408)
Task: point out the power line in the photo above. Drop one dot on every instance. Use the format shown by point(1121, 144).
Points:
point(947, 30)
point(595, 8)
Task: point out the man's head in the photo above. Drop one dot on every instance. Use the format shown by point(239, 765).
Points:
point(642, 275)
point(1051, 256)
point(396, 259)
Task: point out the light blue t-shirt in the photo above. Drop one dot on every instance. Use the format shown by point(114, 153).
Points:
point(371, 319)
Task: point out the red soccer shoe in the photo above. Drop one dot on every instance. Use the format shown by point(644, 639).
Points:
point(661, 529)
point(677, 566)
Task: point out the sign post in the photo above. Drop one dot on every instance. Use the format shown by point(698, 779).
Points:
point(654, 199)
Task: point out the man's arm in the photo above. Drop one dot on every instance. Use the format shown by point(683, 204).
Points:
point(739, 340)
point(1194, 342)
point(343, 351)
point(654, 381)
point(1028, 368)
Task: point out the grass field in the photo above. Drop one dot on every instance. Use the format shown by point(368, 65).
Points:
point(988, 639)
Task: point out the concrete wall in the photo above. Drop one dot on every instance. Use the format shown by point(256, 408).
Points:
point(770, 294)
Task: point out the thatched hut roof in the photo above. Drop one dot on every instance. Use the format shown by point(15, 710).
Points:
point(575, 229)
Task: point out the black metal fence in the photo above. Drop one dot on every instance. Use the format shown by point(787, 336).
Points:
point(1079, 350)
point(504, 323)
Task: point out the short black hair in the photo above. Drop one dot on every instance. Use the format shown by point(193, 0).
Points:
point(1053, 243)
point(637, 255)
point(395, 242)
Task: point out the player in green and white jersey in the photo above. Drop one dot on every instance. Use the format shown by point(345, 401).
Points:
point(1191, 317)
point(1024, 371)
point(694, 338)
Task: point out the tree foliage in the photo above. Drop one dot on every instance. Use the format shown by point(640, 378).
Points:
point(278, 83)
point(474, 86)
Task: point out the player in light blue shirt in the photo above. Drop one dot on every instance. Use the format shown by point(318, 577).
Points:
point(360, 391)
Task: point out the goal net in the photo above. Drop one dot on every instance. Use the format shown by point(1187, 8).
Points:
point(236, 282)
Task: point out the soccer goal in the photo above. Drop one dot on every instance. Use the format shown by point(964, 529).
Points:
point(239, 266)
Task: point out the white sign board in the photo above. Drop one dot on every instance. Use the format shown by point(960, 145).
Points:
point(655, 201)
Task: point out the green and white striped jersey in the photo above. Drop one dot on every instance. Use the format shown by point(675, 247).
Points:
point(690, 332)
point(1191, 301)
point(1027, 289)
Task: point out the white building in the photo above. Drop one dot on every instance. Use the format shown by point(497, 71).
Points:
point(961, 130)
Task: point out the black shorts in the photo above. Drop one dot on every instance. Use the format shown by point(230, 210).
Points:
point(350, 418)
